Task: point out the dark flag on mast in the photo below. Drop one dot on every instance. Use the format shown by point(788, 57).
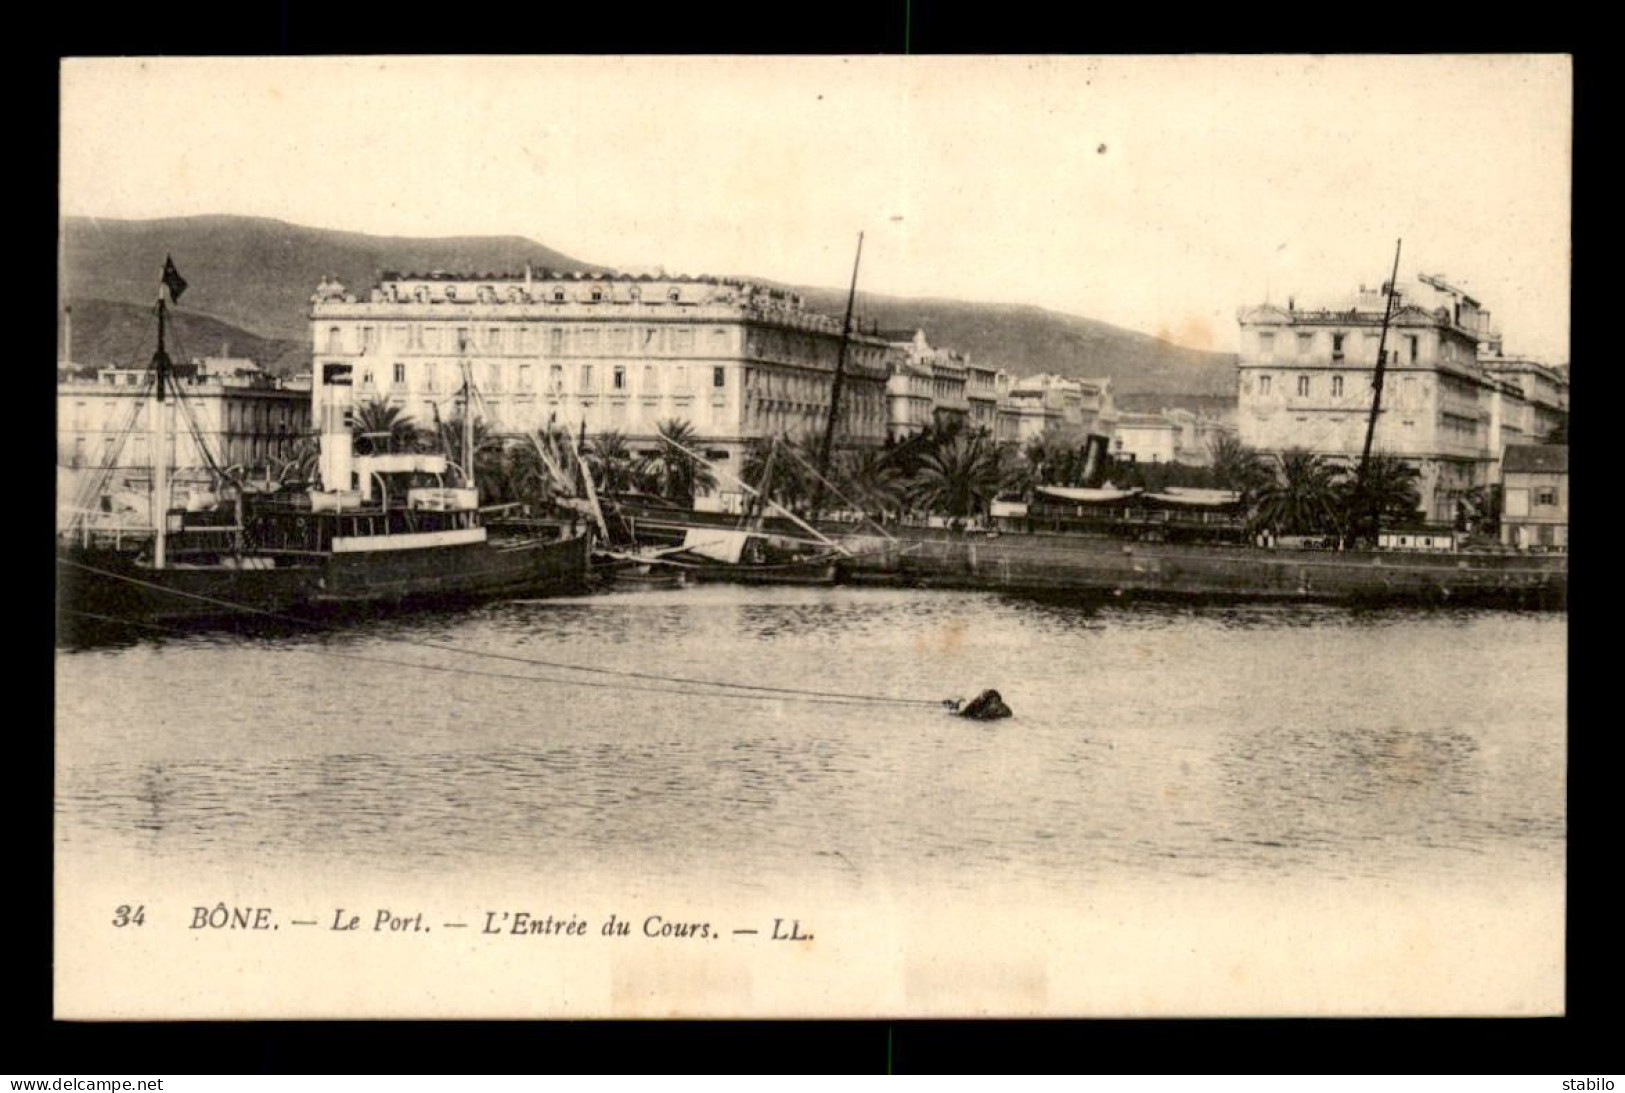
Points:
point(173, 280)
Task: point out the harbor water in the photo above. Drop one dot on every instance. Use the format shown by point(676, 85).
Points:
point(1237, 747)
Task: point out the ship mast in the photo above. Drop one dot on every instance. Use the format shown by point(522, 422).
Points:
point(160, 420)
point(158, 434)
point(468, 424)
point(1361, 502)
point(752, 505)
point(468, 414)
point(835, 386)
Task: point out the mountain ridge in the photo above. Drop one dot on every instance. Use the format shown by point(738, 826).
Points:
point(254, 276)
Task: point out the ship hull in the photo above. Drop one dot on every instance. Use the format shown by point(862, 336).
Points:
point(811, 573)
point(107, 587)
point(474, 571)
point(98, 588)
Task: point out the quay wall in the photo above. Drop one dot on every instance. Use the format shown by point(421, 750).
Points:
point(1112, 567)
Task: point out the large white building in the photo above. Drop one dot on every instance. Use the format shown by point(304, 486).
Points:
point(1306, 383)
point(617, 352)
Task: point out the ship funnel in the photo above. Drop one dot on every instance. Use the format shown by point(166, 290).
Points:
point(337, 399)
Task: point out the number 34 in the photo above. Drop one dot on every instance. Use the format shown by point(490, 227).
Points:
point(126, 915)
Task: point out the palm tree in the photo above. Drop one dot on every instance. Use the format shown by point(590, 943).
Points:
point(959, 479)
point(1303, 499)
point(487, 450)
point(611, 462)
point(1058, 456)
point(909, 454)
point(380, 428)
point(1039, 459)
point(1018, 474)
point(776, 467)
point(676, 475)
point(1237, 467)
point(299, 464)
point(868, 477)
point(1391, 497)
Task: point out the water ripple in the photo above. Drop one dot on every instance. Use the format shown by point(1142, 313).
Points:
point(1244, 743)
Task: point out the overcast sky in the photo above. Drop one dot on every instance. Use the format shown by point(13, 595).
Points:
point(1156, 193)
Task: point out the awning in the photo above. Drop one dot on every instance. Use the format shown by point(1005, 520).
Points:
point(1192, 496)
point(1081, 496)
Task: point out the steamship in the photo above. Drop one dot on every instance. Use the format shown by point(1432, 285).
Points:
point(390, 530)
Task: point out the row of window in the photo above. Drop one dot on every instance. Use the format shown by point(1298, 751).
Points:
point(1463, 430)
point(624, 416)
point(240, 417)
point(1266, 385)
point(792, 421)
point(488, 294)
point(1334, 423)
point(1518, 501)
point(1407, 347)
point(804, 347)
point(237, 449)
point(493, 377)
point(526, 339)
point(1407, 394)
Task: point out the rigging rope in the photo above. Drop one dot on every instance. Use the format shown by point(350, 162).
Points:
point(836, 490)
point(91, 487)
point(196, 430)
point(514, 657)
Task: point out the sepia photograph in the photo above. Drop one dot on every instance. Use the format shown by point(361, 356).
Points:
point(812, 537)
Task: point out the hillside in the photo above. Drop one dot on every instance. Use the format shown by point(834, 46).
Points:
point(1028, 340)
point(124, 335)
point(256, 276)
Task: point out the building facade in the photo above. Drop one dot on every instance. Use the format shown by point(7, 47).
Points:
point(908, 398)
point(1535, 496)
point(243, 418)
point(1305, 382)
point(1047, 402)
point(1173, 435)
point(620, 353)
point(982, 397)
point(1543, 389)
point(948, 369)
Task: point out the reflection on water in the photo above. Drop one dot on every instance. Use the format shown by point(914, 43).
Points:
point(1246, 743)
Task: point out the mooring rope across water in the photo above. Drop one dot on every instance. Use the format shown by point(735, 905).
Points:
point(722, 694)
point(757, 690)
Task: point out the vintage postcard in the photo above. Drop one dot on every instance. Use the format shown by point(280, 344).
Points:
point(812, 537)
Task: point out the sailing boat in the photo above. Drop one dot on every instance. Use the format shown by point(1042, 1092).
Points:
point(750, 554)
point(747, 553)
point(376, 530)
